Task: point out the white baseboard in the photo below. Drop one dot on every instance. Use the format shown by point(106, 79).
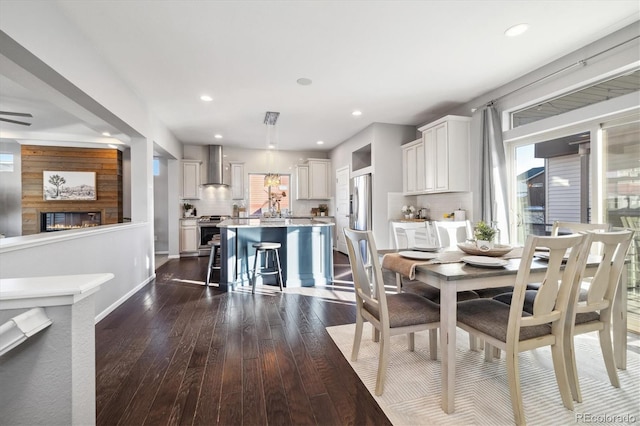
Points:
point(162, 252)
point(174, 256)
point(123, 299)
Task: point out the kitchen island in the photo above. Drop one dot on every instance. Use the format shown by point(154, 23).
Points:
point(306, 253)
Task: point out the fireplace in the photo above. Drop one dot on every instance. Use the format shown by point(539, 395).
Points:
point(62, 221)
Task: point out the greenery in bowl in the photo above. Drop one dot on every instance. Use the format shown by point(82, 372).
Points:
point(484, 232)
point(187, 206)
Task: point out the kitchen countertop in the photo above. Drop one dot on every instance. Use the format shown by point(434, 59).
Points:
point(270, 223)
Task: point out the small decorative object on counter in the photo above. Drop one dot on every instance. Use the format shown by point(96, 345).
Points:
point(484, 236)
point(188, 209)
point(459, 215)
point(323, 209)
point(408, 211)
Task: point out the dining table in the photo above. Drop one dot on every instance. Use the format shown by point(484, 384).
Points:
point(448, 273)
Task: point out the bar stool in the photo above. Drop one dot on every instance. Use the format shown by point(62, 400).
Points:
point(215, 251)
point(265, 248)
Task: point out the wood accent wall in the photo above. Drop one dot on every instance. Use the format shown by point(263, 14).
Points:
point(107, 163)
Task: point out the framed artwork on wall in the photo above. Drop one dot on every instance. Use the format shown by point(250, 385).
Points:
point(68, 186)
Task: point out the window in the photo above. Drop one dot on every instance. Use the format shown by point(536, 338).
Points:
point(259, 194)
point(6, 162)
point(156, 167)
point(603, 91)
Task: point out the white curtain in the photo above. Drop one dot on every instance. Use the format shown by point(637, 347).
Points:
point(494, 173)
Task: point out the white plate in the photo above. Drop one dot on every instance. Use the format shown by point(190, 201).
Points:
point(426, 248)
point(485, 261)
point(417, 255)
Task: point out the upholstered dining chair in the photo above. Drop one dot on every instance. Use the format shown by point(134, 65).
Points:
point(389, 314)
point(511, 329)
point(592, 304)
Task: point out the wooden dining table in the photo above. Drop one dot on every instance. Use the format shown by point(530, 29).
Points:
point(450, 278)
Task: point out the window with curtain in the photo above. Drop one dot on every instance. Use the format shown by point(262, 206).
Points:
point(259, 194)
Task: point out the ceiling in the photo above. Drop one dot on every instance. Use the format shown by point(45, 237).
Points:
point(402, 62)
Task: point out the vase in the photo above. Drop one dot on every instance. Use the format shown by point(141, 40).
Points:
point(484, 245)
point(406, 216)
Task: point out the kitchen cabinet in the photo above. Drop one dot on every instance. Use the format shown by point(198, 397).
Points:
point(190, 180)
point(237, 181)
point(313, 180)
point(413, 167)
point(189, 238)
point(446, 148)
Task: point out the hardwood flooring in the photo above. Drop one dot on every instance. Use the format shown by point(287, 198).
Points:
point(180, 353)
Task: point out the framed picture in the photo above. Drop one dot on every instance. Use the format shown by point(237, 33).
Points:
point(63, 186)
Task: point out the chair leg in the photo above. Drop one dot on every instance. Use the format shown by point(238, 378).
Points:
point(513, 376)
point(279, 269)
point(473, 343)
point(412, 341)
point(572, 370)
point(210, 265)
point(357, 338)
point(559, 367)
point(488, 352)
point(383, 362)
point(253, 278)
point(606, 346)
point(496, 353)
point(433, 344)
point(376, 335)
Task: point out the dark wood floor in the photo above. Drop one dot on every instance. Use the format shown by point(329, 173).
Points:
point(180, 353)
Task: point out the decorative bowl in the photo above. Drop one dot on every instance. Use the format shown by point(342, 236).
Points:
point(497, 250)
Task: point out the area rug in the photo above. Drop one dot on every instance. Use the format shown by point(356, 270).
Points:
point(412, 388)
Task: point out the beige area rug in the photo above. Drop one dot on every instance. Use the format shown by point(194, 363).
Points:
point(412, 388)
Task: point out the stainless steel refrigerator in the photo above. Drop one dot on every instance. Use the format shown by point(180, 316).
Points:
point(360, 203)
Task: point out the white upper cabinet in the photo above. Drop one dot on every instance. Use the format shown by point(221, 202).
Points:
point(413, 167)
point(237, 181)
point(190, 180)
point(446, 148)
point(313, 180)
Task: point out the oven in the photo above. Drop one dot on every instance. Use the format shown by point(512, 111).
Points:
point(207, 230)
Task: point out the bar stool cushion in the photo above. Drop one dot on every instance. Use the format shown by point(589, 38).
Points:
point(263, 245)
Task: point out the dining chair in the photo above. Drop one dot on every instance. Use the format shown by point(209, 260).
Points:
point(404, 233)
point(575, 227)
point(389, 314)
point(592, 304)
point(513, 330)
point(451, 233)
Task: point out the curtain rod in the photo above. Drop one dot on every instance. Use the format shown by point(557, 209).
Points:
point(582, 62)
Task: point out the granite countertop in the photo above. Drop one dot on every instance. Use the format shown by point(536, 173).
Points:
point(270, 223)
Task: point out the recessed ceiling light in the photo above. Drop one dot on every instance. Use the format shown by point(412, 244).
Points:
point(516, 30)
point(217, 136)
point(356, 113)
point(206, 98)
point(320, 142)
point(106, 134)
point(304, 81)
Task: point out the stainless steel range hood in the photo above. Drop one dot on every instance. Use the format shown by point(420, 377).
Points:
point(215, 168)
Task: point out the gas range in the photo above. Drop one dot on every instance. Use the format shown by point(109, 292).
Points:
point(210, 220)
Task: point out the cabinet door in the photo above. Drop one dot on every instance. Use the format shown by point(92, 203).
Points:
point(188, 237)
point(409, 170)
point(429, 160)
point(420, 171)
point(237, 181)
point(442, 157)
point(302, 192)
point(318, 180)
point(190, 180)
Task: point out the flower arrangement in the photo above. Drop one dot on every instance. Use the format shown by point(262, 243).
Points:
point(484, 232)
point(408, 209)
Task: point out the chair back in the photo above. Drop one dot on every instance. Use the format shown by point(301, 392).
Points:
point(404, 233)
point(552, 299)
point(602, 286)
point(427, 236)
point(367, 277)
point(451, 233)
point(575, 227)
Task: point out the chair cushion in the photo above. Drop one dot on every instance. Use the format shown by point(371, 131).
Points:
point(529, 297)
point(407, 309)
point(266, 245)
point(587, 317)
point(432, 293)
point(492, 317)
point(489, 293)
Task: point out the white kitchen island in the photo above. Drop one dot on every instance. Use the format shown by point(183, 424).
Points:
point(306, 253)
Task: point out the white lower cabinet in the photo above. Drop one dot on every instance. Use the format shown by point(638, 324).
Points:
point(189, 236)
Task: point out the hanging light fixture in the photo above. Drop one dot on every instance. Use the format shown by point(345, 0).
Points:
point(270, 119)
